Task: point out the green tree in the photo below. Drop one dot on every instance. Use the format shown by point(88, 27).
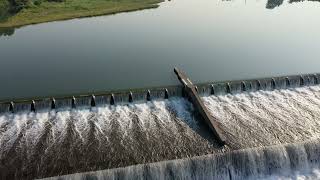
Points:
point(4, 7)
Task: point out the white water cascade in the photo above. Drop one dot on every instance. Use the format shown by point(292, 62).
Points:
point(290, 161)
point(44, 144)
point(67, 141)
point(265, 118)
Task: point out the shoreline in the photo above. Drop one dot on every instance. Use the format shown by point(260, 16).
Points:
point(37, 15)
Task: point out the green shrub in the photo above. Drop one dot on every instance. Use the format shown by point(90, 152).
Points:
point(4, 7)
point(56, 0)
point(17, 5)
point(14, 6)
point(37, 2)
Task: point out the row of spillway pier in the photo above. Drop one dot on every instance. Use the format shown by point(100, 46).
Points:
point(302, 82)
point(93, 102)
point(113, 98)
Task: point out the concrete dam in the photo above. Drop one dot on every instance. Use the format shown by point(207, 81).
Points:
point(267, 128)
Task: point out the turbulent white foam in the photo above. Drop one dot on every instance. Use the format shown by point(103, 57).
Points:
point(291, 161)
point(311, 174)
point(268, 117)
point(49, 143)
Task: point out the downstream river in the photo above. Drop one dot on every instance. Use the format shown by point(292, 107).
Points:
point(212, 40)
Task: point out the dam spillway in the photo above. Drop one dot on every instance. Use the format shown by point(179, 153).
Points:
point(69, 140)
point(289, 161)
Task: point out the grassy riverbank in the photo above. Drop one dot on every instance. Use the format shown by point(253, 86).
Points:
point(39, 11)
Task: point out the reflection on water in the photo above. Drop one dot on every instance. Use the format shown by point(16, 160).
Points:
point(271, 4)
point(6, 31)
point(292, 1)
point(210, 40)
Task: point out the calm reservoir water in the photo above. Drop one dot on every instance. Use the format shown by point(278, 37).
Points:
point(211, 40)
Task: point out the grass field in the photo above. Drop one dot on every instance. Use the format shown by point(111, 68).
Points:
point(48, 11)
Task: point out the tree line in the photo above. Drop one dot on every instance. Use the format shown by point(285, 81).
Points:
point(10, 7)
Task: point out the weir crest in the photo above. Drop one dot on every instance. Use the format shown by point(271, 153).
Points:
point(143, 95)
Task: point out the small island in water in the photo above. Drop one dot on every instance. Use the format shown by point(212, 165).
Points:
point(14, 13)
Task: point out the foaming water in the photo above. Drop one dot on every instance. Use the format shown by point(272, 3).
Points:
point(290, 161)
point(67, 141)
point(312, 174)
point(268, 117)
point(45, 144)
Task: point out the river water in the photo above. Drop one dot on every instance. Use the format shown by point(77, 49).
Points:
point(212, 40)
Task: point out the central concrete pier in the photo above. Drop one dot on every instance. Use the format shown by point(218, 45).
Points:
point(192, 94)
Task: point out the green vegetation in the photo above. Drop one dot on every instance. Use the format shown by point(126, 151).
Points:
point(15, 13)
point(4, 8)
